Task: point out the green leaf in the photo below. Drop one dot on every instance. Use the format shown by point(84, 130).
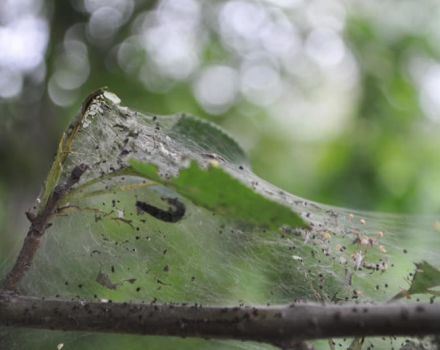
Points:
point(424, 279)
point(207, 137)
point(215, 189)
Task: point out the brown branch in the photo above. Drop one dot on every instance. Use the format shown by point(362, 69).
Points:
point(284, 326)
point(39, 225)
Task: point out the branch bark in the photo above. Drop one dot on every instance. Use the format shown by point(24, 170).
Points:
point(39, 225)
point(284, 326)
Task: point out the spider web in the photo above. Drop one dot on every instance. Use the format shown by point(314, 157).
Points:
point(102, 247)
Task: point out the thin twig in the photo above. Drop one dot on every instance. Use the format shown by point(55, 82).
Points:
point(100, 179)
point(284, 326)
point(39, 224)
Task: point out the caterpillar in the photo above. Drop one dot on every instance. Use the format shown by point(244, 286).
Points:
point(174, 214)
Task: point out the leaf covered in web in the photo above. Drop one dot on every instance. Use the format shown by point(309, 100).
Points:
point(169, 210)
point(220, 192)
point(199, 160)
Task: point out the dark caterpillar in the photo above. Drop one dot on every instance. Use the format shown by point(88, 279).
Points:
point(171, 215)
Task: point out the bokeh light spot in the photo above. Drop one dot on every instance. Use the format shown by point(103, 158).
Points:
point(216, 88)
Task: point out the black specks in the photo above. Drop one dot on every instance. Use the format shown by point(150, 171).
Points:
point(133, 133)
point(404, 314)
point(78, 171)
point(420, 308)
point(104, 280)
point(121, 127)
point(312, 323)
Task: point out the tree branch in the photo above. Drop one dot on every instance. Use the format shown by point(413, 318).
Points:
point(39, 225)
point(284, 326)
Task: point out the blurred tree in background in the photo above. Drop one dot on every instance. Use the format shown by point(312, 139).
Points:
point(338, 102)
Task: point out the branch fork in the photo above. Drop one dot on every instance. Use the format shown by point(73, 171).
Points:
point(39, 225)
